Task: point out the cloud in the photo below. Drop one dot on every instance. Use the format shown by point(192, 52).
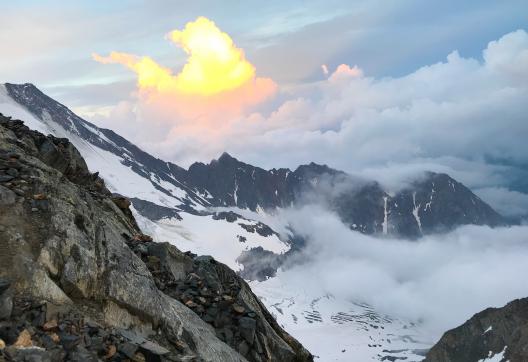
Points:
point(215, 64)
point(509, 56)
point(462, 116)
point(440, 280)
point(507, 202)
point(461, 108)
point(217, 80)
point(344, 71)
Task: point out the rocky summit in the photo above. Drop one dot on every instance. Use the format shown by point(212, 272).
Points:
point(79, 281)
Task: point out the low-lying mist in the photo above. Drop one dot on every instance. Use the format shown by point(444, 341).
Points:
point(439, 280)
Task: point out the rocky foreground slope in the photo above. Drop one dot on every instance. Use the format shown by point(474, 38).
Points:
point(495, 334)
point(79, 281)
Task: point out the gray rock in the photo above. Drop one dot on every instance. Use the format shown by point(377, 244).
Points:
point(29, 354)
point(4, 285)
point(243, 348)
point(12, 172)
point(6, 299)
point(56, 258)
point(7, 197)
point(153, 211)
point(204, 259)
point(128, 349)
point(248, 327)
point(5, 178)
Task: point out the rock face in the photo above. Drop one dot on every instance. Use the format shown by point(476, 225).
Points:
point(495, 334)
point(79, 281)
point(222, 299)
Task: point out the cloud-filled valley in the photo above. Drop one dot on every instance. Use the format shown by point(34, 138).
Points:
point(438, 281)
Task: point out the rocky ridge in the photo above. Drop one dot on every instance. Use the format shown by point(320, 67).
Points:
point(79, 281)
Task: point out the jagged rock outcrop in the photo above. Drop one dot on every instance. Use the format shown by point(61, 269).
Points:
point(222, 299)
point(68, 244)
point(495, 334)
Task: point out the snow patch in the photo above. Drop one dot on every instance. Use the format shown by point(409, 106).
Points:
point(416, 210)
point(498, 357)
point(204, 235)
point(235, 195)
point(430, 202)
point(385, 216)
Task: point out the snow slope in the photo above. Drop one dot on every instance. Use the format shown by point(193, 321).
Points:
point(11, 108)
point(205, 235)
point(339, 330)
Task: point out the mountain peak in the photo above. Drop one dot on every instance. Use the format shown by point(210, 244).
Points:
point(315, 168)
point(226, 157)
point(21, 85)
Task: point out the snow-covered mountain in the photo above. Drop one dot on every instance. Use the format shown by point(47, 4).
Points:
point(152, 184)
point(227, 209)
point(433, 203)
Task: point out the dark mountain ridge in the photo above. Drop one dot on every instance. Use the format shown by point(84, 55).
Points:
point(433, 203)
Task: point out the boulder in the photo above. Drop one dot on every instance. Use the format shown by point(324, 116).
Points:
point(6, 299)
point(121, 201)
point(7, 197)
point(248, 326)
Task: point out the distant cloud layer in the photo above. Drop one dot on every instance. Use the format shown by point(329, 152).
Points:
point(453, 116)
point(439, 281)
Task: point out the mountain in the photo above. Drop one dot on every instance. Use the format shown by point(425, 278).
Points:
point(79, 281)
point(231, 210)
point(433, 203)
point(495, 334)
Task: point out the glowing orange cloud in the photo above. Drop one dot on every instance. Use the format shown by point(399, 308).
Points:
point(214, 63)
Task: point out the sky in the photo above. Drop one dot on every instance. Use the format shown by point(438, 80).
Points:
point(50, 43)
point(381, 88)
